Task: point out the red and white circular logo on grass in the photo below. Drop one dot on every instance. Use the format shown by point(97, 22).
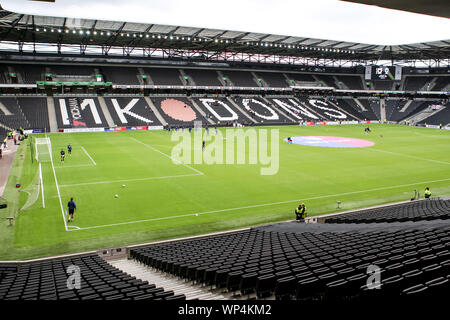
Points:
point(331, 142)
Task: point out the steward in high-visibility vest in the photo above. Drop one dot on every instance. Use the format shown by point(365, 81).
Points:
point(300, 212)
point(427, 193)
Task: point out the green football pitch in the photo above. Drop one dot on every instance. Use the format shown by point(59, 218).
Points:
point(159, 199)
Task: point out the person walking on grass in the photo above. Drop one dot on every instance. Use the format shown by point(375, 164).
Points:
point(72, 206)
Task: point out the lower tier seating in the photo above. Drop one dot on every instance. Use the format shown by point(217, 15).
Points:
point(98, 281)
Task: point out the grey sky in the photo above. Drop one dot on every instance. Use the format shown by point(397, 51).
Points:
point(323, 19)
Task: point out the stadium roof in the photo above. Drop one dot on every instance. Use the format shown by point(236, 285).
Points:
point(26, 28)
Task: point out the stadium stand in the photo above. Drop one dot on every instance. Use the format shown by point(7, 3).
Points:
point(122, 75)
point(295, 109)
point(47, 280)
point(326, 80)
point(345, 104)
point(204, 77)
point(131, 111)
point(365, 115)
point(280, 263)
point(35, 111)
point(415, 211)
point(164, 76)
point(301, 77)
point(4, 74)
point(393, 109)
point(240, 78)
point(441, 83)
point(382, 85)
point(16, 119)
point(440, 118)
point(70, 70)
point(416, 83)
point(178, 111)
point(79, 112)
point(351, 82)
point(273, 79)
point(325, 109)
point(261, 110)
point(30, 72)
point(222, 111)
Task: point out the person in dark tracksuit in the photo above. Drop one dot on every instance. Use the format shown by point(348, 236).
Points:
point(72, 206)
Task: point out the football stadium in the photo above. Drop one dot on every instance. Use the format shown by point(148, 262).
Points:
point(149, 161)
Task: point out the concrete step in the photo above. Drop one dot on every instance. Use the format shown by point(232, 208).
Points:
point(167, 281)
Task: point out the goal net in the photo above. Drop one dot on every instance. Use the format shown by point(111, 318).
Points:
point(43, 149)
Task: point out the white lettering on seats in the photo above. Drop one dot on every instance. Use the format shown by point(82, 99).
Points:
point(273, 115)
point(208, 102)
point(295, 109)
point(337, 114)
point(120, 112)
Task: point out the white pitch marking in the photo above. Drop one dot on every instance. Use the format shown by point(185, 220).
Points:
point(88, 155)
point(263, 205)
point(57, 186)
point(42, 186)
point(409, 156)
point(166, 155)
point(128, 180)
point(74, 166)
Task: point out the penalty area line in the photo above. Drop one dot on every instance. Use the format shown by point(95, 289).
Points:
point(260, 205)
point(166, 155)
point(88, 155)
point(129, 180)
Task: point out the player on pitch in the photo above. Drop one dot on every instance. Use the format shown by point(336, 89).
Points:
point(72, 206)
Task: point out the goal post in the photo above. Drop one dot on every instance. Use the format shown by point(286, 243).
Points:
point(43, 149)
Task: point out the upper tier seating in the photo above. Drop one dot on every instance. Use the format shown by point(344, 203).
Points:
point(326, 80)
point(304, 265)
point(442, 82)
point(414, 211)
point(204, 77)
point(352, 82)
point(240, 78)
point(416, 83)
point(273, 79)
point(166, 76)
point(120, 75)
point(99, 281)
point(30, 72)
point(382, 85)
point(72, 70)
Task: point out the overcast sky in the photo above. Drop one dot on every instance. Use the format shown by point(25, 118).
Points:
point(322, 19)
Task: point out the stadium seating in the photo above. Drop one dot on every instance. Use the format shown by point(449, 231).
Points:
point(16, 119)
point(351, 82)
point(416, 83)
point(204, 77)
point(166, 76)
point(382, 84)
point(30, 73)
point(273, 79)
point(131, 111)
point(261, 110)
point(35, 111)
point(178, 111)
point(47, 280)
point(240, 78)
point(442, 117)
point(303, 265)
point(79, 112)
point(414, 211)
point(122, 75)
point(441, 83)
